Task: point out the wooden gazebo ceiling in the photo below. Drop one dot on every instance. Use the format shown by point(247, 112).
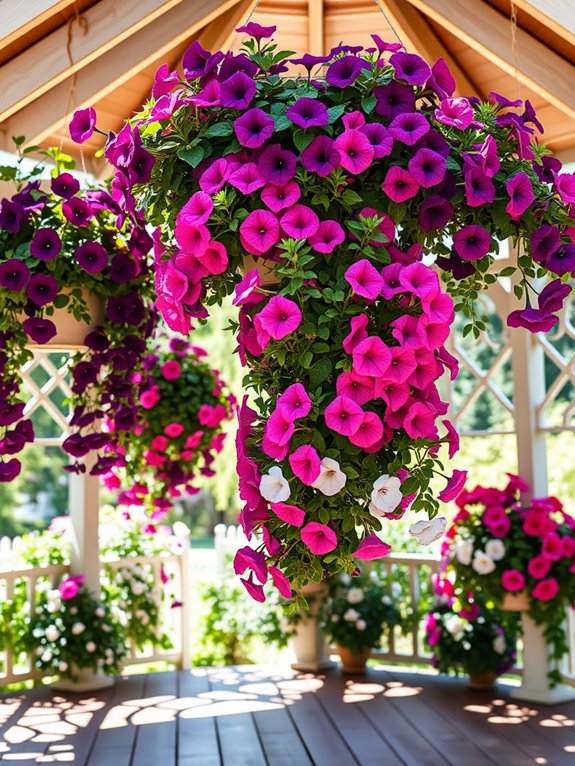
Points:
point(60, 55)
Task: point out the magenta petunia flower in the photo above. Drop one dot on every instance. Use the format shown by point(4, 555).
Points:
point(427, 167)
point(253, 128)
point(395, 395)
point(552, 296)
point(214, 258)
point(319, 538)
point(77, 211)
point(393, 99)
point(42, 289)
point(320, 156)
point(65, 185)
point(343, 416)
point(357, 387)
point(280, 317)
point(237, 91)
point(248, 558)
point(520, 190)
point(305, 464)
point(419, 422)
point(546, 590)
point(441, 80)
point(328, 236)
point(371, 548)
point(294, 402)
point(565, 186)
point(280, 581)
point(369, 431)
point(197, 209)
point(399, 185)
point(215, 176)
point(544, 242)
point(291, 514)
point(379, 137)
point(259, 231)
point(46, 244)
point(92, 257)
point(409, 127)
point(410, 68)
point(479, 190)
point(353, 120)
point(532, 319)
point(14, 274)
point(434, 213)
point(299, 222)
point(355, 151)
point(279, 197)
point(456, 112)
point(198, 62)
point(308, 113)
point(345, 70)
point(82, 125)
point(453, 487)
point(364, 279)
point(358, 332)
point(256, 31)
point(402, 365)
point(277, 165)
point(472, 242)
point(40, 330)
point(279, 427)
point(191, 237)
point(420, 280)
point(247, 178)
point(246, 289)
point(438, 307)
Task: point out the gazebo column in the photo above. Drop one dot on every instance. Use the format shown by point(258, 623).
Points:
point(84, 500)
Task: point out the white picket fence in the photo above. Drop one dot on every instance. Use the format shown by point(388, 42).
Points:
point(174, 621)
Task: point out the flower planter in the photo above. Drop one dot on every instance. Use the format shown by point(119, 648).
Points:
point(86, 680)
point(71, 333)
point(516, 602)
point(308, 642)
point(482, 680)
point(265, 268)
point(352, 663)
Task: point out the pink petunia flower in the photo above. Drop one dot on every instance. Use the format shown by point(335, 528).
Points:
point(291, 514)
point(343, 416)
point(280, 197)
point(328, 235)
point(173, 430)
point(281, 582)
point(419, 280)
point(300, 222)
point(457, 112)
point(246, 178)
point(539, 567)
point(453, 487)
point(280, 317)
point(215, 176)
point(358, 332)
point(279, 428)
point(294, 402)
point(360, 388)
point(197, 209)
point(399, 185)
point(305, 464)
point(259, 231)
point(512, 580)
point(369, 431)
point(355, 151)
point(546, 590)
point(552, 547)
point(371, 357)
point(364, 279)
point(372, 548)
point(171, 370)
point(319, 538)
point(520, 190)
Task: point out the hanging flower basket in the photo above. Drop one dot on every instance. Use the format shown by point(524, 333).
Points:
point(342, 176)
point(71, 332)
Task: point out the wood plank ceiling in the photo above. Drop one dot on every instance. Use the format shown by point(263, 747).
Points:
point(60, 55)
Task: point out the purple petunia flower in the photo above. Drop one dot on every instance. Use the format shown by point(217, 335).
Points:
point(279, 197)
point(82, 125)
point(520, 190)
point(123, 268)
point(84, 374)
point(410, 68)
point(308, 113)
point(472, 242)
point(77, 211)
point(320, 156)
point(164, 81)
point(552, 296)
point(257, 31)
point(92, 257)
point(65, 185)
point(42, 289)
point(40, 330)
point(277, 165)
point(379, 137)
point(479, 190)
point(532, 319)
point(549, 167)
point(345, 70)
point(12, 215)
point(97, 341)
point(140, 166)
point(427, 167)
point(10, 413)
point(14, 274)
point(355, 151)
point(237, 91)
point(253, 128)
point(309, 61)
point(215, 176)
point(393, 99)
point(9, 470)
point(456, 265)
point(399, 185)
point(562, 261)
point(434, 213)
point(126, 309)
point(237, 63)
point(441, 80)
point(198, 62)
point(544, 242)
point(46, 244)
point(409, 127)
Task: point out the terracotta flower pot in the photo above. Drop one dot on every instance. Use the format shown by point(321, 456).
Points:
point(515, 602)
point(352, 662)
point(482, 680)
point(266, 269)
point(308, 642)
point(71, 333)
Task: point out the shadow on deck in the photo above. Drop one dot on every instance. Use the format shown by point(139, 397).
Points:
point(253, 716)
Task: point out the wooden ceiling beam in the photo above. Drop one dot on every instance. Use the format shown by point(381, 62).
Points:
point(219, 35)
point(418, 37)
point(316, 35)
point(107, 24)
point(18, 18)
point(556, 15)
point(488, 32)
point(41, 119)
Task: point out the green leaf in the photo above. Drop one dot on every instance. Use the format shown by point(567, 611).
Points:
point(282, 123)
point(306, 359)
point(302, 139)
point(320, 371)
point(368, 103)
point(219, 129)
point(192, 156)
point(335, 112)
point(61, 300)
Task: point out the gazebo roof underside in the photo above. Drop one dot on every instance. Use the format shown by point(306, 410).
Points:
point(60, 55)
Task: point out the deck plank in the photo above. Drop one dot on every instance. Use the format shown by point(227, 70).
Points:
point(197, 734)
point(156, 725)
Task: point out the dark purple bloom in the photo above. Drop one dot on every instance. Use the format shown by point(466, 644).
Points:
point(427, 167)
point(12, 214)
point(383, 46)
point(520, 190)
point(410, 68)
point(126, 418)
point(123, 268)
point(345, 70)
point(9, 470)
point(65, 185)
point(309, 61)
point(479, 190)
point(240, 63)
point(26, 430)
point(320, 156)
point(28, 200)
point(552, 296)
point(434, 213)
point(409, 127)
point(82, 125)
point(529, 115)
point(379, 137)
point(237, 91)
point(10, 413)
point(532, 319)
point(345, 49)
point(277, 165)
point(12, 443)
point(126, 309)
point(456, 265)
point(46, 244)
point(198, 62)
point(472, 242)
point(544, 242)
point(140, 167)
point(92, 257)
point(42, 289)
point(76, 445)
point(84, 374)
point(562, 261)
point(441, 80)
point(503, 101)
point(546, 171)
point(393, 99)
point(40, 330)
point(308, 113)
point(253, 129)
point(257, 31)
point(14, 274)
point(77, 211)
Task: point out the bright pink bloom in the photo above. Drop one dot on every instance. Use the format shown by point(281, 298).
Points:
point(318, 538)
point(419, 280)
point(305, 464)
point(159, 443)
point(173, 430)
point(343, 416)
point(259, 231)
point(279, 197)
point(215, 176)
point(546, 590)
point(512, 580)
point(248, 558)
point(369, 431)
point(357, 387)
point(455, 111)
point(355, 151)
point(439, 307)
point(280, 317)
point(192, 238)
point(246, 178)
point(372, 548)
point(371, 357)
point(197, 209)
point(291, 514)
point(299, 222)
point(148, 399)
point(358, 332)
point(279, 428)
point(535, 523)
point(552, 547)
point(70, 586)
point(281, 582)
point(171, 370)
point(452, 438)
point(364, 279)
point(401, 366)
point(395, 395)
point(539, 567)
point(327, 237)
point(497, 521)
point(453, 487)
point(419, 422)
point(214, 258)
point(520, 190)
point(256, 591)
point(399, 185)
point(294, 402)
point(246, 290)
point(406, 331)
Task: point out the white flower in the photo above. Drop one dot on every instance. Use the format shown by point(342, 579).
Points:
point(62, 666)
point(46, 656)
point(345, 578)
point(455, 625)
point(386, 494)
point(91, 647)
point(52, 633)
point(78, 628)
point(53, 595)
point(386, 600)
point(464, 551)
point(351, 615)
point(361, 624)
point(273, 486)
point(495, 549)
point(331, 478)
point(429, 530)
point(355, 595)
point(335, 618)
point(499, 644)
point(396, 589)
point(138, 588)
point(180, 529)
point(100, 612)
point(482, 563)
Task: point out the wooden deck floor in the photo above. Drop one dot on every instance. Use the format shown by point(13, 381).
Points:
point(253, 716)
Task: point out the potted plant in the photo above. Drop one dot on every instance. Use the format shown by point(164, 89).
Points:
point(339, 179)
point(502, 547)
point(465, 635)
point(356, 613)
point(182, 408)
point(70, 253)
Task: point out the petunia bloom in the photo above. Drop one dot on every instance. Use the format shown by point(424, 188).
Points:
point(371, 548)
point(253, 128)
point(355, 151)
point(237, 91)
point(364, 279)
point(345, 70)
point(259, 231)
point(82, 125)
point(305, 464)
point(520, 191)
point(280, 317)
point(319, 538)
point(328, 236)
point(300, 222)
point(429, 530)
point(308, 113)
point(294, 402)
point(371, 357)
point(321, 156)
point(343, 416)
point(472, 242)
point(291, 514)
point(331, 479)
point(386, 495)
point(399, 185)
point(410, 68)
point(273, 486)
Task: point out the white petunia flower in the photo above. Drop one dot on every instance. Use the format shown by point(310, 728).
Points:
point(78, 628)
point(138, 588)
point(355, 595)
point(396, 589)
point(495, 549)
point(100, 612)
point(361, 624)
point(46, 656)
point(386, 494)
point(273, 486)
point(351, 615)
point(499, 644)
point(180, 529)
point(386, 600)
point(91, 647)
point(455, 625)
point(331, 478)
point(482, 563)
point(429, 530)
point(52, 633)
point(464, 551)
